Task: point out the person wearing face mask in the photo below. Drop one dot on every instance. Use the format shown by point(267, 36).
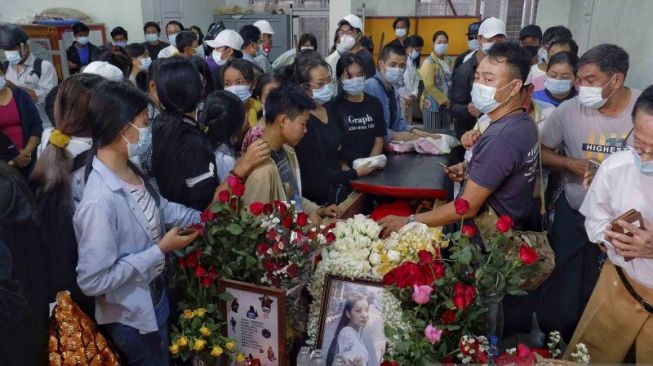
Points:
point(33, 75)
point(410, 89)
point(504, 166)
point(119, 37)
point(401, 26)
point(472, 44)
point(238, 78)
point(264, 85)
point(491, 31)
point(307, 41)
point(172, 30)
point(82, 51)
point(287, 111)
point(325, 179)
point(263, 53)
point(530, 38)
point(348, 37)
point(226, 46)
point(141, 60)
point(617, 318)
point(383, 86)
point(436, 75)
point(593, 125)
point(251, 44)
point(154, 45)
point(558, 85)
point(186, 43)
point(537, 75)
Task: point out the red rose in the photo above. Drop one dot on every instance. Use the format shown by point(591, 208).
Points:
point(224, 196)
point(287, 222)
point(405, 275)
point(425, 257)
point(271, 235)
point(438, 269)
point(198, 227)
point(267, 209)
point(239, 190)
point(461, 205)
point(468, 231)
point(275, 248)
point(262, 249)
point(302, 219)
point(458, 288)
point(256, 208)
point(504, 223)
point(200, 272)
point(232, 181)
point(268, 265)
point(206, 282)
point(281, 207)
point(182, 263)
point(448, 317)
point(527, 255)
point(389, 363)
point(306, 248)
point(459, 301)
point(447, 361)
point(207, 215)
point(191, 261)
point(330, 237)
point(293, 270)
point(212, 274)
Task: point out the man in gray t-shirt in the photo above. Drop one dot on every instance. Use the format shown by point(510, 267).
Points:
point(590, 126)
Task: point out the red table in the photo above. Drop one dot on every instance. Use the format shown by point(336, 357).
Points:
point(411, 175)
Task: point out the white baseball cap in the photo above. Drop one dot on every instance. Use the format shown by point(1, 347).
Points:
point(264, 26)
point(227, 37)
point(492, 27)
point(353, 20)
point(104, 69)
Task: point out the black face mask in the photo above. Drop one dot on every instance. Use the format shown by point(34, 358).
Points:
point(531, 50)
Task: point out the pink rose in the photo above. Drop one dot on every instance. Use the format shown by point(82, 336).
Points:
point(422, 294)
point(432, 333)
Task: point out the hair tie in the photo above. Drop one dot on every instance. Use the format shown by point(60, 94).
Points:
point(59, 139)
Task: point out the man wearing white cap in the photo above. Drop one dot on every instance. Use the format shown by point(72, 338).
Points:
point(104, 69)
point(263, 52)
point(491, 31)
point(226, 46)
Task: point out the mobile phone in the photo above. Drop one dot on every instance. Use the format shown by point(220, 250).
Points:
point(186, 231)
point(593, 167)
point(444, 166)
point(631, 216)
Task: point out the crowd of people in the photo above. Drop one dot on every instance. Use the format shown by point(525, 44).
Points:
point(99, 172)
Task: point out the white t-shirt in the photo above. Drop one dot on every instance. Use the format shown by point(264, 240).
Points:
point(536, 77)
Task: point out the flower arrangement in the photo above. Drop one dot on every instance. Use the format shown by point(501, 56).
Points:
point(404, 245)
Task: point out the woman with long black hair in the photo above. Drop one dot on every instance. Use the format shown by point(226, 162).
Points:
point(347, 341)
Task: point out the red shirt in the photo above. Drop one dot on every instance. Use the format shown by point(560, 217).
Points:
point(10, 123)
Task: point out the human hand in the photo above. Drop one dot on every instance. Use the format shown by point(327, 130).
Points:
point(577, 166)
point(173, 241)
point(256, 154)
point(470, 138)
point(22, 160)
point(472, 110)
point(456, 172)
point(366, 169)
point(329, 211)
point(639, 245)
point(587, 180)
point(392, 223)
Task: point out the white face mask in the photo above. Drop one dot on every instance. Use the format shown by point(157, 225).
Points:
point(346, 43)
point(542, 55)
point(591, 96)
point(354, 86)
point(145, 63)
point(82, 40)
point(472, 44)
point(400, 32)
point(217, 57)
point(151, 37)
point(440, 49)
point(394, 75)
point(483, 97)
point(556, 86)
point(172, 38)
point(13, 57)
point(486, 47)
point(413, 54)
point(306, 48)
point(200, 51)
point(242, 91)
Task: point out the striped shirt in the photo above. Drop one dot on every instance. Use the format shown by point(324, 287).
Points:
point(149, 207)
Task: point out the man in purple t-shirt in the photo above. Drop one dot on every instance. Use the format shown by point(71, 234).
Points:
point(504, 167)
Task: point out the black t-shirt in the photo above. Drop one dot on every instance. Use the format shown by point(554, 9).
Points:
point(361, 124)
point(154, 49)
point(368, 62)
point(319, 163)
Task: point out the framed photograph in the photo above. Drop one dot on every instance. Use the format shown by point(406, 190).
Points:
point(351, 321)
point(256, 320)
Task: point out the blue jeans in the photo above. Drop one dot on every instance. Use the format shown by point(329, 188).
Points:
point(149, 349)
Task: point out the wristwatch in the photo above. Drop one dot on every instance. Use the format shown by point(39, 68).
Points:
point(411, 219)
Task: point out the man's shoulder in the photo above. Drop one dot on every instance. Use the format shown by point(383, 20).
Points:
point(618, 159)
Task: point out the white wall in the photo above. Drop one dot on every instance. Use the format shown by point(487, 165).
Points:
point(623, 22)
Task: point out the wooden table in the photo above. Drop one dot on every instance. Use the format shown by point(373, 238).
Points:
point(410, 175)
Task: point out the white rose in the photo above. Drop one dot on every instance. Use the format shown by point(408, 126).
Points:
point(375, 258)
point(334, 254)
point(394, 256)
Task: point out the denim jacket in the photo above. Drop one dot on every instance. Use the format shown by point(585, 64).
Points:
point(118, 257)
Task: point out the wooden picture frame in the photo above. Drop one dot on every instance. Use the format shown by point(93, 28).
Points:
point(330, 302)
point(248, 328)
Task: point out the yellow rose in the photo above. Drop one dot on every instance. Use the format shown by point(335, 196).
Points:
point(183, 341)
point(216, 351)
point(200, 312)
point(240, 358)
point(205, 331)
point(174, 349)
point(188, 314)
point(199, 345)
point(230, 345)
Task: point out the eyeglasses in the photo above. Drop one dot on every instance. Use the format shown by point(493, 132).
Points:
point(319, 85)
point(638, 150)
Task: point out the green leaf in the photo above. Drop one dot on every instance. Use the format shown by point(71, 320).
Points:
point(517, 292)
point(225, 296)
point(465, 256)
point(404, 346)
point(234, 229)
point(390, 332)
point(250, 261)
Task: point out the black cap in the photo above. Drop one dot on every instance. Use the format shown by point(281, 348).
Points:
point(472, 29)
point(12, 35)
point(531, 30)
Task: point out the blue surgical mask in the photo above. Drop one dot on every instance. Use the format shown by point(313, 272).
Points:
point(394, 75)
point(440, 49)
point(145, 63)
point(241, 91)
point(473, 44)
point(143, 144)
point(82, 40)
point(120, 44)
point(413, 54)
point(555, 86)
point(13, 57)
point(151, 37)
point(542, 55)
point(3, 82)
point(645, 167)
point(354, 86)
point(323, 94)
point(172, 38)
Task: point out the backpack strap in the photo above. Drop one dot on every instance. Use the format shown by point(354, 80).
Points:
point(38, 67)
point(80, 160)
point(392, 101)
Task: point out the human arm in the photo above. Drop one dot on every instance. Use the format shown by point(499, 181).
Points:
point(556, 161)
point(428, 71)
point(257, 153)
point(460, 93)
point(46, 82)
point(377, 149)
